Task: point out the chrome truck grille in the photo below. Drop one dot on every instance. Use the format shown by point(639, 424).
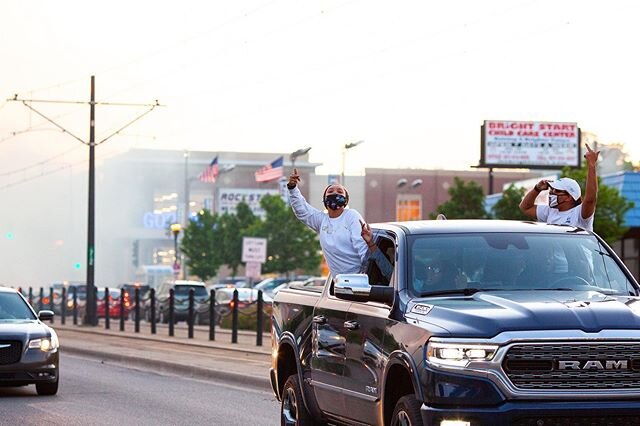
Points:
point(566, 366)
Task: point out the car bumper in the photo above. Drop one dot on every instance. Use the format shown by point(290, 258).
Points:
point(33, 368)
point(540, 414)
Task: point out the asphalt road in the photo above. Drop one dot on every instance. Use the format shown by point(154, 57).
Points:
point(92, 393)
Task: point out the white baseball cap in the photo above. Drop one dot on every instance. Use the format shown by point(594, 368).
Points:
point(569, 185)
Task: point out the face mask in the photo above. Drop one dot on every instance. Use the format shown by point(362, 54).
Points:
point(335, 201)
point(553, 201)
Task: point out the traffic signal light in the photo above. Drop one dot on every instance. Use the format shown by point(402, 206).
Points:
point(77, 266)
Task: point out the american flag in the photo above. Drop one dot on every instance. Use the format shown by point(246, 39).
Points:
point(271, 171)
point(210, 174)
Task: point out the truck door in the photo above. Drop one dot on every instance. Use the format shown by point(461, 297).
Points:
point(365, 356)
point(328, 351)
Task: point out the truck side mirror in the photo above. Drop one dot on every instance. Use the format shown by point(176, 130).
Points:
point(356, 288)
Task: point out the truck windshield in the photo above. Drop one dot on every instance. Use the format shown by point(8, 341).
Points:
point(514, 261)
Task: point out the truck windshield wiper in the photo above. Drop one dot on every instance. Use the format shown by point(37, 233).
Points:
point(462, 291)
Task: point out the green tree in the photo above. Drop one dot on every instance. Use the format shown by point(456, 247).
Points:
point(466, 201)
point(611, 207)
point(201, 244)
point(508, 207)
point(290, 244)
point(232, 228)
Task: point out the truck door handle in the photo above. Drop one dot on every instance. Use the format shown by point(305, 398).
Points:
point(319, 319)
point(351, 325)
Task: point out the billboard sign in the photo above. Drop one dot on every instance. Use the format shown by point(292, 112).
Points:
point(530, 144)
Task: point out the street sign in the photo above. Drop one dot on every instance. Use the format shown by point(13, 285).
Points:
point(254, 249)
point(253, 270)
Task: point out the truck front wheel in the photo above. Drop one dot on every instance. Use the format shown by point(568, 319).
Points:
point(407, 412)
point(292, 410)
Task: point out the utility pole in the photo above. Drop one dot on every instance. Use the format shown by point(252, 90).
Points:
point(90, 317)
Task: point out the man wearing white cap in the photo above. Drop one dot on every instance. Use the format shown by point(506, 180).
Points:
point(566, 205)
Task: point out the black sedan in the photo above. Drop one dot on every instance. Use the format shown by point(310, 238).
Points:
point(28, 348)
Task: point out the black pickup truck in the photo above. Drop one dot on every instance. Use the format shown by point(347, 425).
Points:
point(482, 323)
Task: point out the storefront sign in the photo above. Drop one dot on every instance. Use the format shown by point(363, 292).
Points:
point(229, 198)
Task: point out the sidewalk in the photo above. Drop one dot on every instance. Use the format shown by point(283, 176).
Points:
point(243, 363)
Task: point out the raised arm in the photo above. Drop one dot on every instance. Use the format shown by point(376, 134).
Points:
point(527, 205)
point(304, 211)
point(591, 191)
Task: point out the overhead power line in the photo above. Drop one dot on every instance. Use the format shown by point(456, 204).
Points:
point(90, 317)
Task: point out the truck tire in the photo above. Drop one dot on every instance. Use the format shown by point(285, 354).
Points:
point(407, 412)
point(292, 409)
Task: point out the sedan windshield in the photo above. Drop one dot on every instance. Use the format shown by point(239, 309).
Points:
point(514, 261)
point(13, 307)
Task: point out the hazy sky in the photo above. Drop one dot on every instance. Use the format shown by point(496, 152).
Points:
point(414, 79)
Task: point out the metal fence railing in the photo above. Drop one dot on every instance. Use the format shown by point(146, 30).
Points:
point(150, 310)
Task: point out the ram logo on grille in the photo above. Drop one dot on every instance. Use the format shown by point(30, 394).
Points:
point(594, 365)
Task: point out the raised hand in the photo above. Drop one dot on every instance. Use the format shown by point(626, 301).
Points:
point(591, 156)
point(543, 185)
point(367, 234)
point(294, 178)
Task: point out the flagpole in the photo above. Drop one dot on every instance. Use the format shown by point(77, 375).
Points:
point(187, 209)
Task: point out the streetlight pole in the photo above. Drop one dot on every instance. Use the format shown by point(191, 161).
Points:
point(297, 153)
point(344, 156)
point(175, 229)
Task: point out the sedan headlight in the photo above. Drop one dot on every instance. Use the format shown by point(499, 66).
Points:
point(45, 344)
point(458, 355)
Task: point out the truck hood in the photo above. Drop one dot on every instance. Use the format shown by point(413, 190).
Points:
point(486, 314)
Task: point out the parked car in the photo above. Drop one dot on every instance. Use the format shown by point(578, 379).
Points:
point(114, 303)
point(482, 323)
point(315, 282)
point(130, 289)
point(29, 349)
point(269, 284)
point(231, 282)
point(246, 297)
point(181, 302)
point(80, 291)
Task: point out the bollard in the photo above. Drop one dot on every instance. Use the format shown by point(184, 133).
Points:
point(259, 319)
point(171, 308)
point(51, 304)
point(122, 293)
point(31, 296)
point(41, 299)
point(63, 307)
point(75, 305)
point(107, 309)
point(137, 311)
point(190, 320)
point(152, 305)
point(234, 318)
point(212, 315)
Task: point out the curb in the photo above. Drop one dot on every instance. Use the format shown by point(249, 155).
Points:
point(146, 364)
point(211, 345)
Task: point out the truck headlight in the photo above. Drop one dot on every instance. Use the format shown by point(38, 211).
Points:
point(458, 355)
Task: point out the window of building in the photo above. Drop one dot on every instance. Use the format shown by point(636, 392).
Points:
point(409, 207)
